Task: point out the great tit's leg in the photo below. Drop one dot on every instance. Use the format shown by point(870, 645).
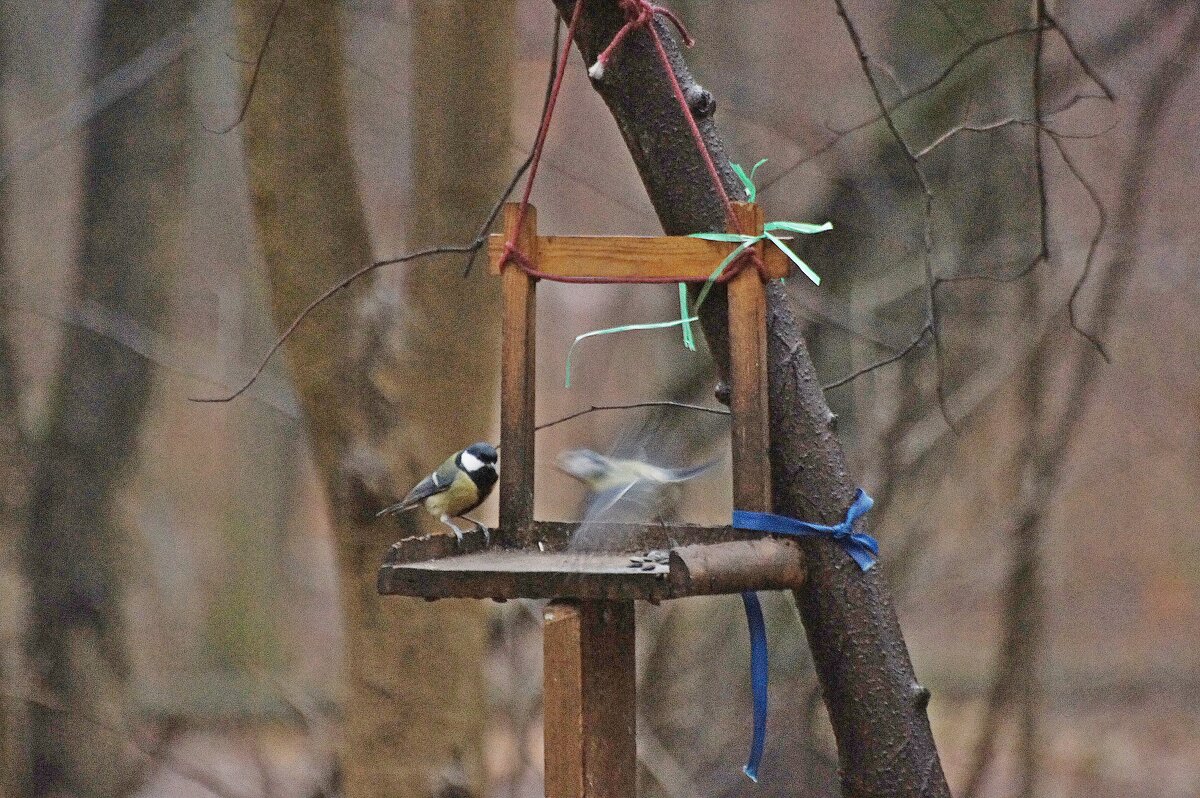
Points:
point(487, 533)
point(458, 533)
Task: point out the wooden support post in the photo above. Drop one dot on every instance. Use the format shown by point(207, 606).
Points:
point(748, 377)
point(517, 374)
point(590, 700)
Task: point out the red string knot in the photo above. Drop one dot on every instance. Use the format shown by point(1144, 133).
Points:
point(514, 256)
point(638, 14)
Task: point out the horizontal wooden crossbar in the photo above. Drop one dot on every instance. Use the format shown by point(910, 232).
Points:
point(675, 258)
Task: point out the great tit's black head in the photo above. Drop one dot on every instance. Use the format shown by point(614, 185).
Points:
point(478, 457)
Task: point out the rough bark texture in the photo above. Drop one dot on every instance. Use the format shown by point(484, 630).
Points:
point(377, 413)
point(73, 548)
point(875, 704)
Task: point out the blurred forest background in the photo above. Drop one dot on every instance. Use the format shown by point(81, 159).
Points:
point(187, 601)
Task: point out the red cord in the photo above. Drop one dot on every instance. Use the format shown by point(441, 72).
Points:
point(638, 14)
point(510, 247)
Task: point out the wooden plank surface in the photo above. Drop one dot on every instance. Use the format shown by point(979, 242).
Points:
point(518, 356)
point(590, 700)
point(514, 573)
point(750, 427)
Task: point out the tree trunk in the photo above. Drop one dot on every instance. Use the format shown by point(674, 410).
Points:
point(73, 548)
point(383, 412)
point(875, 704)
point(15, 467)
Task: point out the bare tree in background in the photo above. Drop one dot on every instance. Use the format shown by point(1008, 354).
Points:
point(74, 549)
point(422, 383)
point(1053, 425)
point(16, 464)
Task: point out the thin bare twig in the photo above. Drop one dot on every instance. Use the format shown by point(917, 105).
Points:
point(1161, 89)
point(989, 127)
point(1093, 245)
point(1056, 138)
point(974, 47)
point(1101, 227)
point(897, 104)
point(931, 320)
point(913, 344)
point(345, 282)
point(950, 18)
point(718, 411)
point(1079, 59)
point(258, 62)
point(1025, 586)
point(1050, 448)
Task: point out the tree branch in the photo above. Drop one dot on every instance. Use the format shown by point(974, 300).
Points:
point(258, 62)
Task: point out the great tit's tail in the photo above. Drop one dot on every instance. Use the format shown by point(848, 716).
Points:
point(684, 474)
point(397, 508)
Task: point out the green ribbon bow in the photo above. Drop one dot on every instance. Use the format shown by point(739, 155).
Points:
point(744, 242)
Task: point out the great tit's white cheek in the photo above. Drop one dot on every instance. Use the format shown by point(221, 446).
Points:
point(471, 462)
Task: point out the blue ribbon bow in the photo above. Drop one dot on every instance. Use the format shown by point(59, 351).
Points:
point(860, 546)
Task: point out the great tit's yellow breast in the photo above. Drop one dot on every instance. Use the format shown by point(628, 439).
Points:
point(461, 497)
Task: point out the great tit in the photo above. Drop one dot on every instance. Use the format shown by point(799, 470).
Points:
point(611, 478)
point(457, 487)
point(601, 473)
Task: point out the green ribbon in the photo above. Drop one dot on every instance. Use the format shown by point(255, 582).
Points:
point(689, 340)
point(748, 179)
point(623, 328)
point(744, 242)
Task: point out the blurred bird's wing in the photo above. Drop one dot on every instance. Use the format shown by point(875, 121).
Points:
point(604, 500)
point(435, 483)
point(634, 442)
point(613, 515)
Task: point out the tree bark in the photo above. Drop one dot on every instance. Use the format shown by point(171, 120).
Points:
point(875, 704)
point(379, 410)
point(73, 547)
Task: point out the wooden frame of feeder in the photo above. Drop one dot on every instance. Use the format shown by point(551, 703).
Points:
point(589, 627)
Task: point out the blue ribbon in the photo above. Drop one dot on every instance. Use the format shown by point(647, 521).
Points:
point(758, 680)
point(860, 546)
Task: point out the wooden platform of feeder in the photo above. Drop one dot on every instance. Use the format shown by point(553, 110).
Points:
point(714, 560)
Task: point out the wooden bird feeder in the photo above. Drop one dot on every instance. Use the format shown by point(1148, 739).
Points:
point(589, 627)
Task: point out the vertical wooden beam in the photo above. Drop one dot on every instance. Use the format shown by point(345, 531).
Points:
point(517, 373)
point(748, 377)
point(590, 700)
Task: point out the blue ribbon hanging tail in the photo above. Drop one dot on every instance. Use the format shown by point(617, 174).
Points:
point(861, 547)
